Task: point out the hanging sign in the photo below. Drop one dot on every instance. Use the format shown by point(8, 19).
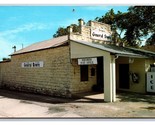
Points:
point(100, 34)
point(32, 64)
point(87, 61)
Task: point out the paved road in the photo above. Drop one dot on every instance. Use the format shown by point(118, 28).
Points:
point(23, 105)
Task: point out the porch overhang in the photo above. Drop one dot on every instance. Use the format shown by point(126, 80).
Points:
point(130, 55)
point(80, 50)
point(84, 49)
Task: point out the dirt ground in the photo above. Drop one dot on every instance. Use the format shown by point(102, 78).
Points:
point(88, 105)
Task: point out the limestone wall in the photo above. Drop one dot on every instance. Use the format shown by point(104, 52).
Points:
point(76, 85)
point(52, 79)
point(85, 32)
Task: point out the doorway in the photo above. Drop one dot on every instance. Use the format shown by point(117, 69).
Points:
point(99, 71)
point(124, 76)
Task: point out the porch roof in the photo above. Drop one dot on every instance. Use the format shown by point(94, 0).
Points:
point(117, 50)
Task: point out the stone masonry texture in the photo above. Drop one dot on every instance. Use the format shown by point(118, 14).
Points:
point(52, 79)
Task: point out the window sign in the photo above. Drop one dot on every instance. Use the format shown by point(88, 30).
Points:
point(32, 64)
point(87, 61)
point(150, 82)
point(100, 34)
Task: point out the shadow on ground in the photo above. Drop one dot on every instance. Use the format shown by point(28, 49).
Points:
point(79, 98)
point(25, 97)
point(134, 97)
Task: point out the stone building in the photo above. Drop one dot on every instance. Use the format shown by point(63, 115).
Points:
point(79, 62)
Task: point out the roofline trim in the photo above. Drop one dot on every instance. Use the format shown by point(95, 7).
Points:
point(63, 44)
point(133, 55)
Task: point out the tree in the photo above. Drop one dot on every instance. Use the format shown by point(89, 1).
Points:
point(6, 59)
point(63, 31)
point(141, 23)
point(130, 27)
point(60, 32)
point(136, 24)
point(115, 20)
point(151, 40)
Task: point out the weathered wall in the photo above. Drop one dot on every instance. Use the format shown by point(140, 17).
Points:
point(87, 51)
point(85, 32)
point(78, 86)
point(138, 66)
point(52, 79)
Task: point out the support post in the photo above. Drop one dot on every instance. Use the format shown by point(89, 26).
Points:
point(109, 79)
point(113, 70)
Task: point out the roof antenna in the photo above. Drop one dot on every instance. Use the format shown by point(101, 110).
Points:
point(22, 45)
point(14, 47)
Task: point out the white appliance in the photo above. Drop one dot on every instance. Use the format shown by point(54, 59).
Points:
point(150, 82)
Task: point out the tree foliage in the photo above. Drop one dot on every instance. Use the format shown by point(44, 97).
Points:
point(129, 27)
point(63, 31)
point(142, 21)
point(6, 59)
point(151, 40)
point(114, 20)
point(136, 24)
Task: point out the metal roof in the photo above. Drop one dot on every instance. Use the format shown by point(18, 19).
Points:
point(121, 51)
point(142, 51)
point(55, 42)
point(43, 45)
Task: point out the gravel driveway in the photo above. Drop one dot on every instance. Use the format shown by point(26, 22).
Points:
point(25, 105)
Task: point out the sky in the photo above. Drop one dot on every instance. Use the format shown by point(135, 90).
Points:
point(24, 25)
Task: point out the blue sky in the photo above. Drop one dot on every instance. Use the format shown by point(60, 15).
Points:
point(29, 24)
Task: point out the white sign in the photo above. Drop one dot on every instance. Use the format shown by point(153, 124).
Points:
point(101, 34)
point(87, 61)
point(32, 64)
point(151, 82)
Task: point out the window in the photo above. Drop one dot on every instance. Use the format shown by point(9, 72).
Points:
point(84, 72)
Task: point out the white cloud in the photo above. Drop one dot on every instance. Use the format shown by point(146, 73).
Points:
point(11, 37)
point(26, 27)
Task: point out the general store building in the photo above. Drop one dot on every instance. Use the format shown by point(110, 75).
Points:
point(80, 62)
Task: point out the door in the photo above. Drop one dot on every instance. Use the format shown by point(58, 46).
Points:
point(100, 73)
point(124, 76)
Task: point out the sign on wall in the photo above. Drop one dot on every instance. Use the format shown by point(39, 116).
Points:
point(100, 34)
point(151, 82)
point(87, 61)
point(32, 64)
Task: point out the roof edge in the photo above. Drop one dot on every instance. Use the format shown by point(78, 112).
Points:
point(65, 43)
point(128, 54)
